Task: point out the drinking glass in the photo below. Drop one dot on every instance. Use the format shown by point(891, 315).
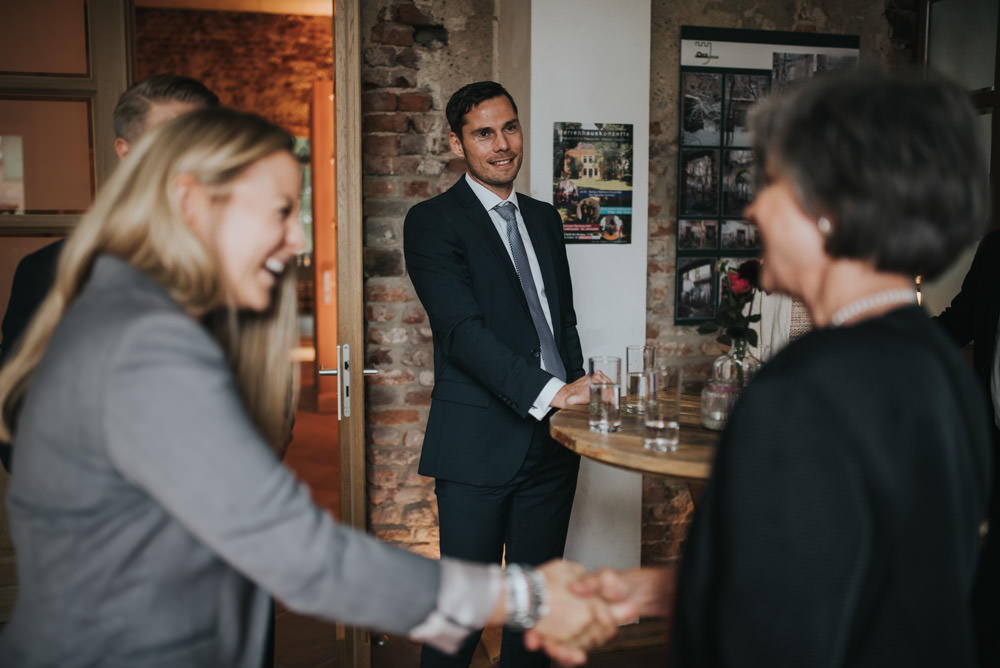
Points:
point(605, 390)
point(638, 361)
point(717, 399)
point(663, 408)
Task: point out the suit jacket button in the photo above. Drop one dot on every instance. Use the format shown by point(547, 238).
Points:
point(536, 353)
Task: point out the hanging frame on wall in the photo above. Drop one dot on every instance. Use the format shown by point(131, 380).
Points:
point(723, 73)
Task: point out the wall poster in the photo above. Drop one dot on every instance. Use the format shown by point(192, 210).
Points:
point(723, 73)
point(592, 181)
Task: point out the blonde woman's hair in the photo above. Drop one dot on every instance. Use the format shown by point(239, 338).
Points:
point(137, 217)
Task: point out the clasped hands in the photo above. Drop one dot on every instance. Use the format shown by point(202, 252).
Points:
point(585, 610)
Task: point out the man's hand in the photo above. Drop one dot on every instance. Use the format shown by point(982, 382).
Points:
point(650, 590)
point(572, 394)
point(574, 624)
point(575, 393)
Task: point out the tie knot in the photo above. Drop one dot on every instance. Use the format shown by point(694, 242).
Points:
point(506, 211)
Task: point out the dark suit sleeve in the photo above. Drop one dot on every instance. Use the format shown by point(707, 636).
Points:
point(960, 316)
point(438, 265)
point(33, 278)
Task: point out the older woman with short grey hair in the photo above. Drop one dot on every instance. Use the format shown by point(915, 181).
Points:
point(841, 523)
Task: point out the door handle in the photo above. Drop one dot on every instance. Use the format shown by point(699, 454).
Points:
point(344, 379)
point(334, 372)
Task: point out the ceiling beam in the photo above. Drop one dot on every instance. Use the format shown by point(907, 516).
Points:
point(309, 7)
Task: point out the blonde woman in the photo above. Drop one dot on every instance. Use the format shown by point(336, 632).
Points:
point(148, 511)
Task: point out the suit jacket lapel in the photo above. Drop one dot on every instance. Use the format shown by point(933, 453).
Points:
point(543, 252)
point(480, 222)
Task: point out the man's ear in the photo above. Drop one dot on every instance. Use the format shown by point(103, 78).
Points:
point(456, 145)
point(121, 147)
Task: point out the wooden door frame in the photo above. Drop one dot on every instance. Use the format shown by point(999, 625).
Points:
point(353, 642)
point(109, 50)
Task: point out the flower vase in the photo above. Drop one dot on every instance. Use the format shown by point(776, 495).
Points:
point(737, 365)
point(731, 373)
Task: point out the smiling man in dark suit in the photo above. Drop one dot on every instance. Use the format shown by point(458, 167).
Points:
point(490, 268)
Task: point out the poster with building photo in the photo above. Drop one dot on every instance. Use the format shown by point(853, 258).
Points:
point(592, 181)
point(724, 73)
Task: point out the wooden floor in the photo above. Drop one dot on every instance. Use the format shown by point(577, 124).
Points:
point(305, 642)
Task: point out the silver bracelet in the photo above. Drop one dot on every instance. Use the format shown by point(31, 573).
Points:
point(526, 596)
point(540, 593)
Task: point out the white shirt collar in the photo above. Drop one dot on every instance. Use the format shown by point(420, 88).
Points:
point(487, 197)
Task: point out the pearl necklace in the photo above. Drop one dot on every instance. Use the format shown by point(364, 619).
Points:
point(873, 301)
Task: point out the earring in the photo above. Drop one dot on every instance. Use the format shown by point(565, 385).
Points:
point(824, 226)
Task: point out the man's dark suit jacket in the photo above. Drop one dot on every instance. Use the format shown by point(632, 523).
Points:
point(973, 313)
point(33, 278)
point(972, 316)
point(486, 352)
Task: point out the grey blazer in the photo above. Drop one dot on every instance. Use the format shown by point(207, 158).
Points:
point(150, 518)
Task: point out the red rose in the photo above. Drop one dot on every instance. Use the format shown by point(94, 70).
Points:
point(737, 285)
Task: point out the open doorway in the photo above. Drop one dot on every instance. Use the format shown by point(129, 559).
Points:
point(279, 65)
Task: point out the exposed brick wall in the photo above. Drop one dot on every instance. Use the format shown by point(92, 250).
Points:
point(414, 56)
point(265, 63)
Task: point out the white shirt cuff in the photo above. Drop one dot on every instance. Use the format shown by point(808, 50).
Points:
point(465, 600)
point(543, 402)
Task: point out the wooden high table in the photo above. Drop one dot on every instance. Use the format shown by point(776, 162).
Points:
point(691, 461)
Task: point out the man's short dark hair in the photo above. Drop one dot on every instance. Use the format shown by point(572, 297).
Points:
point(893, 161)
point(467, 97)
point(134, 103)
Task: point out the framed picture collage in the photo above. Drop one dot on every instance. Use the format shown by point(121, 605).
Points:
point(723, 73)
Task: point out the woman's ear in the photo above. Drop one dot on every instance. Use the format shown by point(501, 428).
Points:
point(192, 201)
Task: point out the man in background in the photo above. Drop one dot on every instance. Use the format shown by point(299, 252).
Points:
point(489, 266)
point(972, 318)
point(142, 107)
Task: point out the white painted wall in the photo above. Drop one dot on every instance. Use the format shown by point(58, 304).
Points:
point(590, 63)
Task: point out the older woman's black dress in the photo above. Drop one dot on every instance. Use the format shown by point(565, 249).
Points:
point(841, 523)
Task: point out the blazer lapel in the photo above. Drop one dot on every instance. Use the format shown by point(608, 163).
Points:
point(543, 252)
point(481, 223)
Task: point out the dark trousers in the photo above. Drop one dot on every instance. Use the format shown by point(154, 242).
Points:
point(526, 519)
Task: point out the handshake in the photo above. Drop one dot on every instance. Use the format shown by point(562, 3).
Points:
point(584, 610)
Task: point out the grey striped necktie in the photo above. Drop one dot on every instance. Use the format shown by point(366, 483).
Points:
point(551, 361)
